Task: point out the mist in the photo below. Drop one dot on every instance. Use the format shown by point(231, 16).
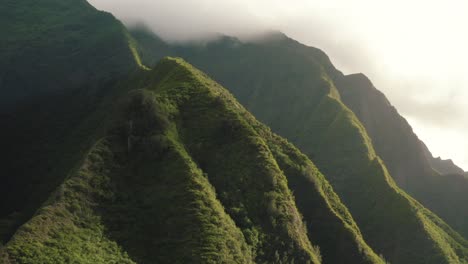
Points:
point(413, 51)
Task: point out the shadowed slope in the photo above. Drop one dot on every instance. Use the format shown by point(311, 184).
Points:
point(52, 45)
point(58, 60)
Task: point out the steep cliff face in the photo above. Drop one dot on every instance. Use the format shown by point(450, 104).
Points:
point(437, 184)
point(391, 135)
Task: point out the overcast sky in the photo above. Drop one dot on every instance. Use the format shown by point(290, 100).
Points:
point(415, 51)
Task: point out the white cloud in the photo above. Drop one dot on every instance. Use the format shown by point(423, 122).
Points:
point(415, 51)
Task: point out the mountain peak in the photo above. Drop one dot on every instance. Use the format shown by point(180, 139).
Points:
point(360, 77)
point(269, 36)
point(446, 166)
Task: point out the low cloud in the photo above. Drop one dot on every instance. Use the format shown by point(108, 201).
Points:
point(413, 51)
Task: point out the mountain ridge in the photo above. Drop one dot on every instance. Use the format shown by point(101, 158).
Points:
point(150, 112)
point(337, 141)
point(137, 164)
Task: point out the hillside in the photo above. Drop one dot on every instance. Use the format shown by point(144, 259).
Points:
point(291, 88)
point(186, 174)
point(58, 59)
point(438, 184)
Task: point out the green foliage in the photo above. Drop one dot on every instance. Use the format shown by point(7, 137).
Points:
point(164, 150)
point(167, 167)
point(291, 88)
point(185, 142)
point(123, 197)
point(67, 229)
point(246, 178)
point(326, 217)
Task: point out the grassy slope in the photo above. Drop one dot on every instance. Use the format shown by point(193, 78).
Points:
point(58, 60)
point(287, 86)
point(331, 226)
point(161, 186)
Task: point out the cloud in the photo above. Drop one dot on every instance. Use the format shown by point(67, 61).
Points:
point(413, 51)
point(180, 20)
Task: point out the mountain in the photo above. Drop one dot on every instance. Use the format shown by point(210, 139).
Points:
point(293, 89)
point(438, 184)
point(184, 174)
point(445, 166)
point(109, 161)
point(134, 165)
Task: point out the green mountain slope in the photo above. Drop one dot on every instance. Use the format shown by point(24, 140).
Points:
point(58, 59)
point(439, 185)
point(291, 88)
point(186, 174)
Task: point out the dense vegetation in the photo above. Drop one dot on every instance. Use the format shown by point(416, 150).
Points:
point(185, 174)
point(124, 181)
point(111, 162)
point(291, 88)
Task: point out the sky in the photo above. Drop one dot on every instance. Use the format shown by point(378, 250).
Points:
point(414, 51)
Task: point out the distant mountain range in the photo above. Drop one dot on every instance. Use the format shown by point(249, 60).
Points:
point(116, 153)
